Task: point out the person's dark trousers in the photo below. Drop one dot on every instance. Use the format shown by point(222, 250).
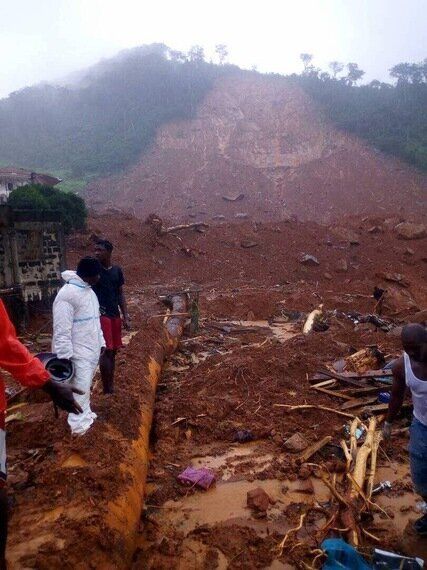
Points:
point(107, 365)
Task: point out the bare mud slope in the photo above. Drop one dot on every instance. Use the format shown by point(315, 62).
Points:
point(262, 142)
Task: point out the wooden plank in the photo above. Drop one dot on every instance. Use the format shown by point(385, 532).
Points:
point(324, 384)
point(305, 456)
point(333, 393)
point(379, 408)
point(369, 375)
point(358, 403)
point(363, 391)
point(340, 377)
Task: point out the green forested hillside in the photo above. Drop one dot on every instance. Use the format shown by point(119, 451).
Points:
point(392, 118)
point(101, 123)
point(104, 121)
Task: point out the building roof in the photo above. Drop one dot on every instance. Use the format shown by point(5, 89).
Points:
point(11, 174)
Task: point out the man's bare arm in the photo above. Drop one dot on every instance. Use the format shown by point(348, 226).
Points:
point(123, 308)
point(397, 390)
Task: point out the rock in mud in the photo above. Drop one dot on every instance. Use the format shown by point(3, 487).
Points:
point(408, 230)
point(309, 260)
point(241, 216)
point(278, 439)
point(397, 303)
point(296, 443)
point(393, 277)
point(347, 234)
point(234, 198)
point(258, 500)
point(243, 436)
point(246, 243)
point(342, 266)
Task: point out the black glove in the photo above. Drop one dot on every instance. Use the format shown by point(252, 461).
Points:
point(62, 396)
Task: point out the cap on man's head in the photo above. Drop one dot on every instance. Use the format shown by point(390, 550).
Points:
point(105, 244)
point(88, 267)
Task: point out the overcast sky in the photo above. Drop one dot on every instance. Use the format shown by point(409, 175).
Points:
point(48, 39)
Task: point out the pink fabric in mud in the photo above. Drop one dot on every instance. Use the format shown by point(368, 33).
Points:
point(201, 477)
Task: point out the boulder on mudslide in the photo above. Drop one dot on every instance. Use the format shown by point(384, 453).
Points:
point(408, 230)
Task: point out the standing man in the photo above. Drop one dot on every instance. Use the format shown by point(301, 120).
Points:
point(77, 334)
point(28, 371)
point(111, 297)
point(410, 371)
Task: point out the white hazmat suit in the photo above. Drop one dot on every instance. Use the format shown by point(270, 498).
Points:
point(77, 335)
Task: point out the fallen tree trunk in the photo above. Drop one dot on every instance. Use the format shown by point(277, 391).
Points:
point(350, 516)
point(361, 460)
point(78, 528)
point(194, 225)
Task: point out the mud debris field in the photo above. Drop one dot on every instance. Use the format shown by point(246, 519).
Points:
point(227, 379)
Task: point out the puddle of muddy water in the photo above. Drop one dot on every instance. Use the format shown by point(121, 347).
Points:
point(226, 503)
point(282, 331)
point(402, 504)
point(229, 461)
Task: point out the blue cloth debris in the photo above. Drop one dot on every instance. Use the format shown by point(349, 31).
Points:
point(341, 555)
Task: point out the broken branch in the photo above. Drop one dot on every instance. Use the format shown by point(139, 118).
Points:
point(282, 543)
point(195, 225)
point(311, 406)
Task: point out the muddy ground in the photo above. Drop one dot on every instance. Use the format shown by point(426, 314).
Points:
point(248, 355)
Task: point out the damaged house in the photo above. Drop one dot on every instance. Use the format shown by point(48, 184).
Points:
point(32, 256)
point(11, 178)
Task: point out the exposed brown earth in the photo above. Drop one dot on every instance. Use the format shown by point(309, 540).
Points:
point(259, 148)
point(220, 382)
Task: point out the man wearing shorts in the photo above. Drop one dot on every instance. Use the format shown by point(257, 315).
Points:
point(109, 291)
point(28, 371)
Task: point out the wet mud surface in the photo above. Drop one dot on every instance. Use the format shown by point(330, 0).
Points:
point(248, 355)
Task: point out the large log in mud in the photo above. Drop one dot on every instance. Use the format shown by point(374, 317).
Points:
point(83, 507)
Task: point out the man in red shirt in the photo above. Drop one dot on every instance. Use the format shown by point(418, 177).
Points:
point(28, 371)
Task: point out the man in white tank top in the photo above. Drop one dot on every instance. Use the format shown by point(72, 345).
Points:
point(410, 371)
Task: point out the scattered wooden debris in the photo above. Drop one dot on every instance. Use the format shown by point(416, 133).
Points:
point(310, 451)
point(311, 319)
point(310, 407)
point(157, 223)
point(357, 403)
point(334, 394)
point(366, 359)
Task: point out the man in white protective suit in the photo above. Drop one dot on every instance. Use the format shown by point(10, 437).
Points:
point(77, 334)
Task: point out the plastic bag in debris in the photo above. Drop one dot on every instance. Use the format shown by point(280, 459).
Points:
point(391, 561)
point(200, 477)
point(341, 555)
